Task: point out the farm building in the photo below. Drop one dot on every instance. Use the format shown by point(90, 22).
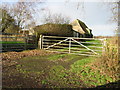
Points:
point(75, 29)
point(80, 29)
point(26, 31)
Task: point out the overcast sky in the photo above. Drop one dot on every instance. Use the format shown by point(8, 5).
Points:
point(95, 14)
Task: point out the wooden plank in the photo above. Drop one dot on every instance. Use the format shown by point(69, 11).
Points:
point(74, 38)
point(49, 40)
point(54, 37)
point(56, 46)
point(79, 49)
point(85, 46)
point(75, 44)
point(62, 44)
point(91, 43)
point(57, 43)
point(46, 40)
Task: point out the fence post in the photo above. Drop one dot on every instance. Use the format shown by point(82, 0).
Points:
point(40, 42)
point(104, 44)
point(69, 44)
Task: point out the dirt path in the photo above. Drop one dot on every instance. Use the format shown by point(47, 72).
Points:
point(34, 69)
point(43, 69)
point(11, 78)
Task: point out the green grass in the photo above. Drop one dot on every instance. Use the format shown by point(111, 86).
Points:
point(78, 66)
point(63, 70)
point(50, 68)
point(56, 57)
point(89, 76)
point(95, 41)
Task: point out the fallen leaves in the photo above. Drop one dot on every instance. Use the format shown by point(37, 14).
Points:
point(10, 58)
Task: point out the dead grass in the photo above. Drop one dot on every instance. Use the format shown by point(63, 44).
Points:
point(104, 36)
point(108, 63)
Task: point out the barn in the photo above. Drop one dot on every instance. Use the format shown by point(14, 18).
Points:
point(80, 29)
point(76, 28)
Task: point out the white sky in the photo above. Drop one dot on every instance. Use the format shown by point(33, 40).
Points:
point(95, 14)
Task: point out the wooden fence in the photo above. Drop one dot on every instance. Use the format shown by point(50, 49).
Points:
point(17, 43)
point(80, 46)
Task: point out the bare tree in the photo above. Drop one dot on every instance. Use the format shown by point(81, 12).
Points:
point(5, 20)
point(56, 18)
point(23, 12)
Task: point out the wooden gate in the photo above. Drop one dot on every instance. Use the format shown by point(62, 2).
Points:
point(80, 46)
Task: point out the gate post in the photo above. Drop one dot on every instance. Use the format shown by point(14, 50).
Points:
point(104, 45)
point(69, 44)
point(40, 42)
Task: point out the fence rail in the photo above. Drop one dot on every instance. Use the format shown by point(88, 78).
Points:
point(80, 46)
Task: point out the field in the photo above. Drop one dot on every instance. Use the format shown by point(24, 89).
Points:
point(44, 69)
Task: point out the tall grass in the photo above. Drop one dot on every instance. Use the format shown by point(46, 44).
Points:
point(108, 63)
